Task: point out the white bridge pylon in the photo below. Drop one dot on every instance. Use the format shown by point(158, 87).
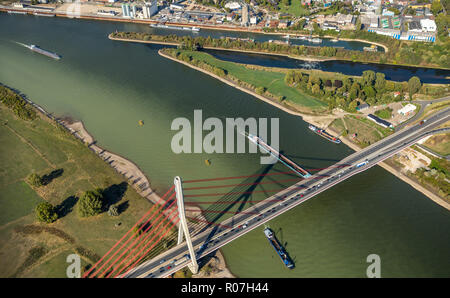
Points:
point(183, 228)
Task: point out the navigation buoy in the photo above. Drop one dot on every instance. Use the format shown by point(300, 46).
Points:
point(207, 162)
point(141, 123)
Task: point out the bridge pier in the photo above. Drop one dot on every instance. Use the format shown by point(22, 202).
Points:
point(183, 228)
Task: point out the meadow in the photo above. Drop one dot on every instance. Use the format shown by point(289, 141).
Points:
point(34, 249)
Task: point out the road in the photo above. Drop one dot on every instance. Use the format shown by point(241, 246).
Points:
point(215, 237)
point(423, 104)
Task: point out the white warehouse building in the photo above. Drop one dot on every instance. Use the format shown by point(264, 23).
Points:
point(407, 109)
point(428, 25)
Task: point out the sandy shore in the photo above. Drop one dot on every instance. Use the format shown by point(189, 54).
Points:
point(218, 267)
point(318, 121)
point(131, 171)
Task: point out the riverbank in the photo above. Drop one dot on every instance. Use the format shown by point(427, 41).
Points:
point(123, 166)
point(59, 13)
point(307, 117)
point(298, 52)
point(134, 175)
point(438, 200)
point(35, 142)
point(317, 121)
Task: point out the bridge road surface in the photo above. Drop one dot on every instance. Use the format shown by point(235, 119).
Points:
point(214, 237)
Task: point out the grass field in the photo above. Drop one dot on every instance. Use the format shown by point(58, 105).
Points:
point(295, 9)
point(42, 147)
point(439, 144)
point(366, 131)
point(384, 113)
point(17, 200)
point(272, 80)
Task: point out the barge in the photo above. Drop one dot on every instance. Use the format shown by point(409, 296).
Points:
point(283, 159)
point(163, 26)
point(278, 248)
point(37, 49)
point(323, 133)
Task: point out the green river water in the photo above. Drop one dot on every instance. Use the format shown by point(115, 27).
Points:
point(110, 86)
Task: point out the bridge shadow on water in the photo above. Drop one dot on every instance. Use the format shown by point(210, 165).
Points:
point(238, 199)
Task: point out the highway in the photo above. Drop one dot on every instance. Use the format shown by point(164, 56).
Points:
point(214, 237)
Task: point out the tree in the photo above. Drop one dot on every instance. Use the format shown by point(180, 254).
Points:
point(35, 180)
point(260, 90)
point(369, 91)
point(380, 82)
point(46, 212)
point(91, 203)
point(436, 7)
point(368, 77)
point(414, 86)
point(352, 106)
point(358, 25)
point(315, 89)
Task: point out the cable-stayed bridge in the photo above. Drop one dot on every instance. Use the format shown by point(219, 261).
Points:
point(142, 251)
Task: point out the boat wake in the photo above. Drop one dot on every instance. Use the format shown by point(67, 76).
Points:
point(22, 44)
point(309, 65)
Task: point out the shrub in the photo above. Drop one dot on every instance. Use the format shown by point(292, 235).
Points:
point(35, 180)
point(113, 211)
point(260, 90)
point(90, 204)
point(46, 212)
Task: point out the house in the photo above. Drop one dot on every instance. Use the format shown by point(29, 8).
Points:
point(283, 24)
point(253, 20)
point(362, 107)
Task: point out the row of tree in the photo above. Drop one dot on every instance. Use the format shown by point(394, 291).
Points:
point(372, 88)
point(16, 103)
point(91, 203)
point(199, 42)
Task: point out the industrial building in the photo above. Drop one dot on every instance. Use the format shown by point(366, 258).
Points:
point(379, 121)
point(244, 16)
point(407, 109)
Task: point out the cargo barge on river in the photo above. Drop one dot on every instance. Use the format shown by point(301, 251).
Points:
point(323, 133)
point(278, 248)
point(37, 49)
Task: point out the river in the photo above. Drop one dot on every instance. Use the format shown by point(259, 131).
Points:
point(392, 72)
point(110, 86)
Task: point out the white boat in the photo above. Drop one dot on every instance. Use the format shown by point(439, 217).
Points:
point(43, 14)
point(334, 40)
point(195, 29)
point(17, 12)
point(316, 40)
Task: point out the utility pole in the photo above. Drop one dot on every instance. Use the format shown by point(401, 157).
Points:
point(183, 228)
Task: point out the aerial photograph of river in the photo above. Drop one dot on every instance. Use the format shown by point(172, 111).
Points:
point(127, 96)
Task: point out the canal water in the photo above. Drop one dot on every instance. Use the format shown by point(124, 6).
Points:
point(326, 42)
point(392, 72)
point(110, 86)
